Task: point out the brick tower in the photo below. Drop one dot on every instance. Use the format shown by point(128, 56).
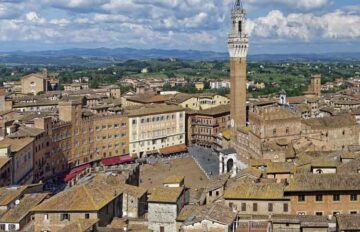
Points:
point(238, 49)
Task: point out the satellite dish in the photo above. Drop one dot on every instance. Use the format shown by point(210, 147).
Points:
point(17, 202)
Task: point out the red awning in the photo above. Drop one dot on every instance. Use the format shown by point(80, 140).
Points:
point(117, 160)
point(74, 172)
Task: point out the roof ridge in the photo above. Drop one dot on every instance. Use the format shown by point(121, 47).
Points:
point(89, 195)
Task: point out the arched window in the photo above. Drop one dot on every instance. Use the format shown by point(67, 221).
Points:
point(240, 26)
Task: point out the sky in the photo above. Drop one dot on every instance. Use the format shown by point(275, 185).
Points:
point(274, 26)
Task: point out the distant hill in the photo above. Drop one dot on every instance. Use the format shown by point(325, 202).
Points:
point(102, 56)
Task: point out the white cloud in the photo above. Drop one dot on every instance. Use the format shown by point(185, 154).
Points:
point(294, 4)
point(306, 27)
point(197, 24)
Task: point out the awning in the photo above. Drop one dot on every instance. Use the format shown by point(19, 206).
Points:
point(117, 160)
point(74, 172)
point(173, 149)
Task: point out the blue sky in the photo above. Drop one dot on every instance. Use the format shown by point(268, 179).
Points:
point(274, 26)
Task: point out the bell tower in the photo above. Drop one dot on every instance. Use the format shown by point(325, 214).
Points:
point(238, 48)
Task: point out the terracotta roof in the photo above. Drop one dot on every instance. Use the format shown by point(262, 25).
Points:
point(296, 100)
point(348, 222)
point(222, 109)
point(10, 194)
point(24, 131)
point(166, 194)
point(173, 179)
point(324, 182)
point(350, 167)
point(217, 212)
point(275, 113)
point(147, 99)
point(86, 197)
point(152, 109)
point(16, 144)
point(331, 122)
point(18, 212)
point(304, 220)
point(280, 167)
point(256, 191)
point(217, 182)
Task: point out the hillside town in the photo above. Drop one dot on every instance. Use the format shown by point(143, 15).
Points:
point(102, 160)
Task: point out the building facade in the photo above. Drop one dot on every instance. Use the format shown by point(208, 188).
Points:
point(154, 127)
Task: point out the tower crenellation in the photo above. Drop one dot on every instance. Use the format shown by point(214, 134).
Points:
point(238, 39)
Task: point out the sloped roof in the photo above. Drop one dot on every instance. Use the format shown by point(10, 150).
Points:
point(348, 222)
point(324, 182)
point(16, 144)
point(256, 191)
point(165, 194)
point(10, 194)
point(217, 212)
point(86, 197)
point(20, 211)
point(346, 120)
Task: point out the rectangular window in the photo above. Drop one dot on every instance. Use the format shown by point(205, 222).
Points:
point(87, 216)
point(319, 197)
point(243, 207)
point(270, 207)
point(255, 207)
point(336, 197)
point(46, 217)
point(353, 197)
point(286, 207)
point(353, 212)
point(64, 216)
point(319, 213)
point(301, 198)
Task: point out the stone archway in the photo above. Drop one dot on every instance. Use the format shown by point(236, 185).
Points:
point(229, 165)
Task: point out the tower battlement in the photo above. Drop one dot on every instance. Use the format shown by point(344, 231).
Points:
point(238, 42)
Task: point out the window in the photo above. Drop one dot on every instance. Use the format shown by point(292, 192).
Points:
point(255, 207)
point(270, 207)
point(318, 213)
point(353, 197)
point(336, 213)
point(64, 216)
point(46, 217)
point(134, 121)
point(286, 207)
point(301, 213)
point(217, 193)
point(162, 229)
point(87, 216)
point(319, 197)
point(210, 193)
point(353, 212)
point(274, 132)
point(336, 197)
point(243, 207)
point(301, 198)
